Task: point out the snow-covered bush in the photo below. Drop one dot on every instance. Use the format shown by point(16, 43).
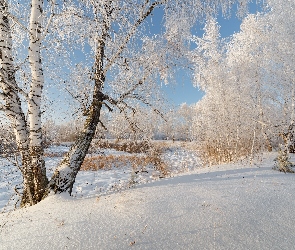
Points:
point(282, 162)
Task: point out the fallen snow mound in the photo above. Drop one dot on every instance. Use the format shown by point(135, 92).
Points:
point(226, 207)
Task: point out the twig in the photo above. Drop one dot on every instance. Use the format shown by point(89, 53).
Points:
point(84, 107)
point(108, 107)
point(131, 33)
point(101, 123)
point(131, 90)
point(140, 98)
point(49, 21)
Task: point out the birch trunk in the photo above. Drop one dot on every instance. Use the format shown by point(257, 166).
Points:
point(64, 177)
point(37, 168)
point(8, 85)
point(65, 174)
point(12, 107)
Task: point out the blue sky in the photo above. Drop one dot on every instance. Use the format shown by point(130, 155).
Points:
point(184, 92)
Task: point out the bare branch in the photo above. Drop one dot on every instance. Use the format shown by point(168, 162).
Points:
point(140, 98)
point(129, 91)
point(101, 123)
point(110, 100)
point(133, 125)
point(108, 107)
point(117, 104)
point(160, 114)
point(84, 108)
point(129, 107)
point(49, 20)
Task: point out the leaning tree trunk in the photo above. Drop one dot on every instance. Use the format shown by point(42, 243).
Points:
point(64, 176)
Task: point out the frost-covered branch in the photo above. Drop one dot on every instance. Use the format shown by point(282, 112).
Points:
point(132, 125)
point(76, 97)
point(13, 86)
point(15, 20)
point(101, 123)
point(49, 20)
point(132, 31)
point(108, 107)
point(142, 99)
point(130, 91)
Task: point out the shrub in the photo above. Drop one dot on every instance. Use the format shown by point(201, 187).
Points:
point(282, 162)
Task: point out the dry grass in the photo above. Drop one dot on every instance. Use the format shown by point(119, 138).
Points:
point(139, 163)
point(214, 152)
point(126, 146)
point(144, 154)
point(54, 154)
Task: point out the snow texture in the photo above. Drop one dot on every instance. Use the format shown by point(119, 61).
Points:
point(94, 183)
point(233, 206)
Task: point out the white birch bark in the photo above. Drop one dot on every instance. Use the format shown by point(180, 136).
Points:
point(37, 73)
point(8, 84)
point(34, 106)
point(12, 107)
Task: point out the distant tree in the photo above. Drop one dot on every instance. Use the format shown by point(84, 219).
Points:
point(249, 84)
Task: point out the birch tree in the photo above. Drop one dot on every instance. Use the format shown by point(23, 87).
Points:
point(115, 26)
point(249, 83)
point(123, 63)
point(27, 131)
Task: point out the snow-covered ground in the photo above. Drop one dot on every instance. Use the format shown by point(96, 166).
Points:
point(94, 183)
point(232, 206)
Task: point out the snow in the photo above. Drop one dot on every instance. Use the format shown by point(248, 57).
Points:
point(231, 206)
point(93, 183)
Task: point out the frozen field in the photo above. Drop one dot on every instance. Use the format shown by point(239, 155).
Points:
point(232, 206)
point(94, 183)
